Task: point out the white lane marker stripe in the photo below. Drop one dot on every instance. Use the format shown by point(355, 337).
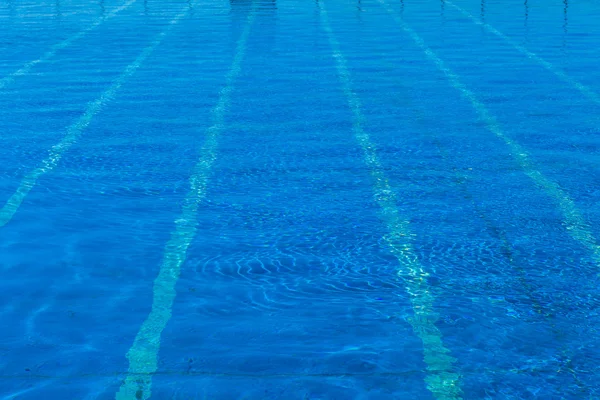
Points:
point(440, 380)
point(24, 70)
point(573, 220)
point(586, 91)
point(74, 131)
point(143, 355)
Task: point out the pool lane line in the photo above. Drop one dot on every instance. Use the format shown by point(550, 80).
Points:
point(500, 235)
point(441, 379)
point(24, 70)
point(573, 220)
point(496, 232)
point(143, 354)
point(74, 131)
point(536, 306)
point(583, 89)
point(507, 249)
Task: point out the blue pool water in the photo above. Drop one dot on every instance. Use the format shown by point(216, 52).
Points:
point(278, 199)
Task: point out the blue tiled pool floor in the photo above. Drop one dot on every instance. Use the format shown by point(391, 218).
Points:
point(274, 199)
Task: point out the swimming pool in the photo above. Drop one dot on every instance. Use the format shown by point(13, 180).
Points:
point(275, 199)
